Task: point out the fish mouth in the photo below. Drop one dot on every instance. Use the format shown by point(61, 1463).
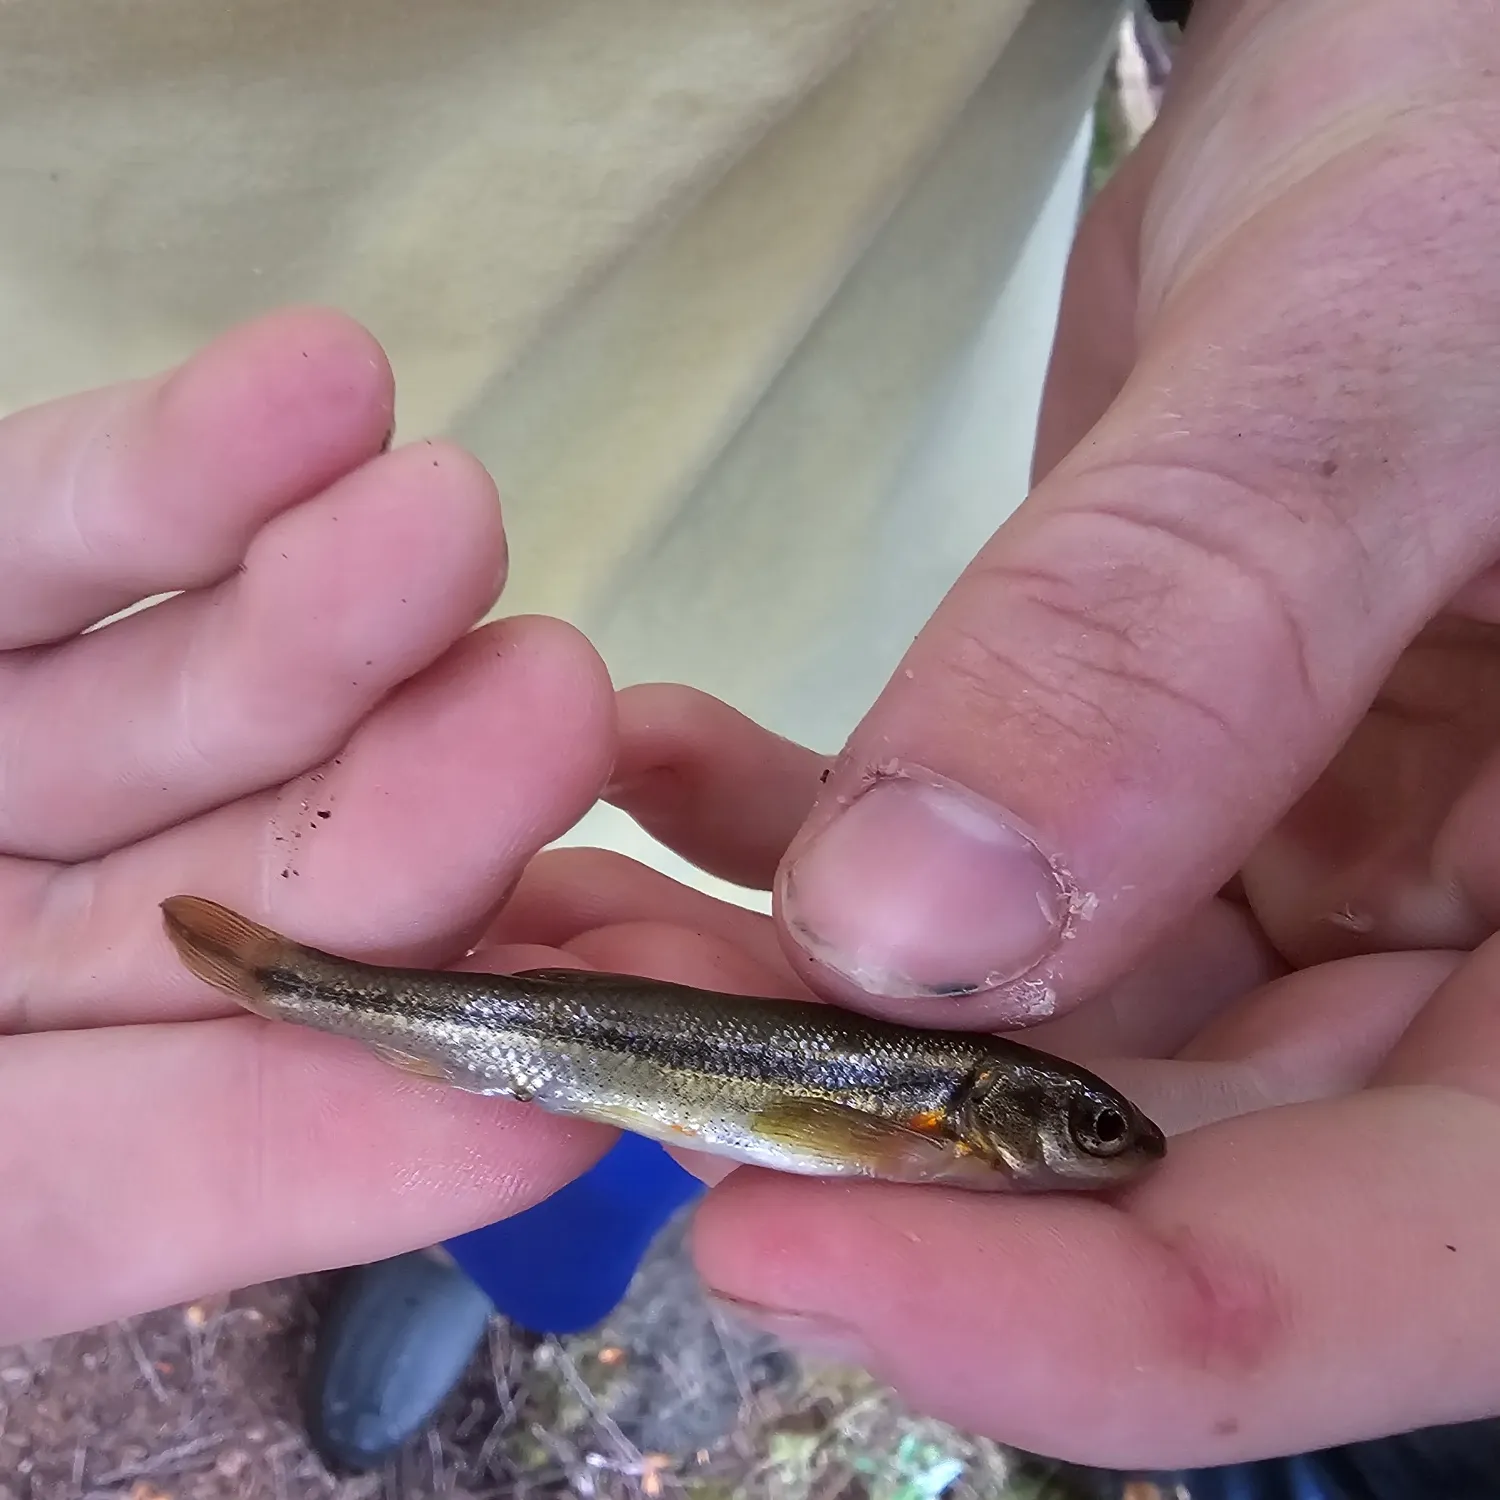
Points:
point(1151, 1140)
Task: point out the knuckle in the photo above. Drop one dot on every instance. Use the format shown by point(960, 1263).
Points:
point(1118, 624)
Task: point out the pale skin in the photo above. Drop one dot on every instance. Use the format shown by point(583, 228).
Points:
point(1229, 666)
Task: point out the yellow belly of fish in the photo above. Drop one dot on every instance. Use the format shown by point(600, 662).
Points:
point(816, 1139)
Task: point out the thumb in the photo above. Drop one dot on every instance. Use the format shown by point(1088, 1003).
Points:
point(1158, 653)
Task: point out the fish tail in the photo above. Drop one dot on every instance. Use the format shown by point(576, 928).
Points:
point(227, 950)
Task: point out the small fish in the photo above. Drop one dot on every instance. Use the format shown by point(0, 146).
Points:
point(792, 1085)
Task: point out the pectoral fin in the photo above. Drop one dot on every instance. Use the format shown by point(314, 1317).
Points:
point(848, 1142)
point(418, 1067)
point(844, 1137)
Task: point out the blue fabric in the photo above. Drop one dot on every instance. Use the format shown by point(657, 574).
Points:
point(563, 1265)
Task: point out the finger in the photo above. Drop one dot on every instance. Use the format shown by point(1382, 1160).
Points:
point(214, 694)
point(1338, 1020)
point(1300, 1039)
point(1378, 855)
point(1159, 651)
point(709, 783)
point(654, 950)
point(184, 1159)
point(512, 958)
point(1095, 343)
point(567, 893)
point(1210, 961)
point(1096, 339)
point(1221, 1317)
point(1464, 862)
point(1313, 1034)
point(1197, 973)
point(1211, 1314)
point(663, 951)
point(159, 484)
point(397, 849)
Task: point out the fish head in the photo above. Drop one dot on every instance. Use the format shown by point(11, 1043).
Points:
point(1051, 1127)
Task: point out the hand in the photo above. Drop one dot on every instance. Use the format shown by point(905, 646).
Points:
point(309, 731)
point(1241, 638)
point(1256, 578)
point(1311, 1264)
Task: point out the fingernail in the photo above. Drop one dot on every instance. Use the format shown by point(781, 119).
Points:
point(919, 888)
point(823, 1339)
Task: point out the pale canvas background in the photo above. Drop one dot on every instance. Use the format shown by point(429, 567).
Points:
point(745, 303)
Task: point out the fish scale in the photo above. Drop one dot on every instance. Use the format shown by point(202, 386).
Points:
point(796, 1086)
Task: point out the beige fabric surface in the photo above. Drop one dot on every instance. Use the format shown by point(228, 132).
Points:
point(704, 282)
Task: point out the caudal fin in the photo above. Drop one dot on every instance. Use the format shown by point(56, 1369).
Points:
point(225, 949)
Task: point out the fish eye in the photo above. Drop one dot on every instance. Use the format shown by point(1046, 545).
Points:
point(1098, 1127)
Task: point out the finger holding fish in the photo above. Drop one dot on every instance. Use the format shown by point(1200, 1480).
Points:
point(727, 794)
point(267, 1150)
point(1072, 1284)
point(467, 770)
point(711, 783)
point(147, 1165)
point(1263, 1044)
point(1216, 1310)
point(588, 900)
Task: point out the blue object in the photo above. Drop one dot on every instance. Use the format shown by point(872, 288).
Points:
point(563, 1265)
point(394, 1343)
point(402, 1331)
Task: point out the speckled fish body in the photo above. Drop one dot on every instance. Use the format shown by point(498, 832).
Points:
point(794, 1086)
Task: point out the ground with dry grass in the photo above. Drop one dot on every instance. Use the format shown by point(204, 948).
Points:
point(202, 1403)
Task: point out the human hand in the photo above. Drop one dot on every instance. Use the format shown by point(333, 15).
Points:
point(1252, 599)
point(1310, 1265)
point(1241, 638)
point(310, 731)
